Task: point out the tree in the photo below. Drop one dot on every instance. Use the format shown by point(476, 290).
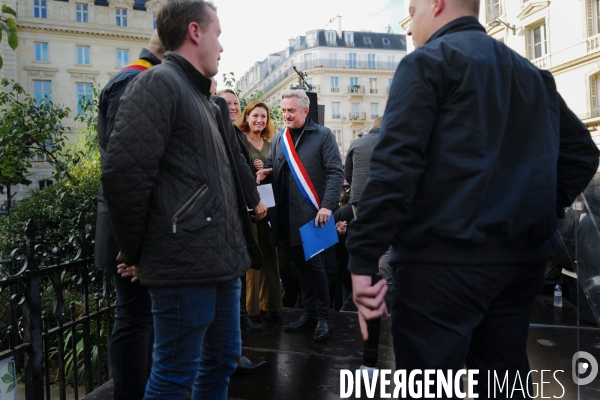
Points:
point(17, 178)
point(8, 24)
point(30, 129)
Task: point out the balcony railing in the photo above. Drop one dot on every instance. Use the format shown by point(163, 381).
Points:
point(595, 111)
point(336, 63)
point(335, 90)
point(356, 89)
point(387, 90)
point(357, 116)
point(373, 91)
point(336, 116)
point(374, 116)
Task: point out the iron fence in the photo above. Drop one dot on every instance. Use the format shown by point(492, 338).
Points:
point(59, 309)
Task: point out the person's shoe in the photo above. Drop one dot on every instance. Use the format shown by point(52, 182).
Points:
point(247, 324)
point(322, 330)
point(302, 323)
point(245, 366)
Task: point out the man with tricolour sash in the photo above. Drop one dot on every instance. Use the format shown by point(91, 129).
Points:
point(307, 180)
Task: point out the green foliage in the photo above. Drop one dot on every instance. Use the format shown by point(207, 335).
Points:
point(30, 129)
point(8, 24)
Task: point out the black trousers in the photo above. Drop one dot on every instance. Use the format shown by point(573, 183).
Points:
point(132, 339)
point(310, 275)
point(448, 316)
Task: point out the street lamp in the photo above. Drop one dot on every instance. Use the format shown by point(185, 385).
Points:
point(497, 22)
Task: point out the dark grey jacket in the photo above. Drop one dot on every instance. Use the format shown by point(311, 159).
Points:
point(106, 248)
point(320, 155)
point(358, 163)
point(169, 181)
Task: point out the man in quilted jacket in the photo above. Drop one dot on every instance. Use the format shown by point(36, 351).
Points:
point(173, 186)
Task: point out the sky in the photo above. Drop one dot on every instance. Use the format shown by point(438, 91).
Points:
point(252, 29)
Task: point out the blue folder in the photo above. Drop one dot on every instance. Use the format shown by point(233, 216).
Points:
point(316, 239)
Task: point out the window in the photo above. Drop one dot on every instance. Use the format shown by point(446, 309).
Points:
point(331, 38)
point(81, 12)
point(42, 91)
point(308, 60)
point(44, 183)
point(373, 86)
point(349, 38)
point(353, 81)
point(391, 61)
point(356, 135)
point(371, 61)
point(352, 60)
point(334, 60)
point(153, 20)
point(39, 9)
point(84, 90)
point(41, 52)
point(121, 16)
point(493, 9)
point(335, 84)
point(354, 114)
point(537, 42)
point(338, 136)
point(594, 83)
point(83, 55)
point(386, 41)
point(122, 58)
point(367, 40)
point(335, 111)
point(42, 158)
point(374, 110)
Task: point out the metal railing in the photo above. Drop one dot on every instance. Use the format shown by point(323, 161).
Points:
point(335, 89)
point(356, 116)
point(373, 91)
point(337, 63)
point(61, 312)
point(356, 89)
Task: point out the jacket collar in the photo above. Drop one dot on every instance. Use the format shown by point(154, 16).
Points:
point(374, 130)
point(147, 55)
point(309, 125)
point(201, 82)
point(458, 25)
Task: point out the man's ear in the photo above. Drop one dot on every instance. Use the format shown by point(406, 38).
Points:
point(439, 6)
point(194, 32)
point(305, 111)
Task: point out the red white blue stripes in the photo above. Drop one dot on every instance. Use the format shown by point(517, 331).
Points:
point(300, 175)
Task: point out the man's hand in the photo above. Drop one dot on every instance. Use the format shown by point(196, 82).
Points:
point(258, 164)
point(370, 300)
point(260, 211)
point(322, 217)
point(126, 270)
point(262, 174)
point(341, 227)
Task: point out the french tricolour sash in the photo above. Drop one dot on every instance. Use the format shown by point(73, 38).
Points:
point(300, 176)
point(140, 64)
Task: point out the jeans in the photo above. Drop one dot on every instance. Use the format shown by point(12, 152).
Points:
point(197, 340)
point(447, 316)
point(131, 342)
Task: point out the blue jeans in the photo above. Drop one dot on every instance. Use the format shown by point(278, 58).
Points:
point(197, 340)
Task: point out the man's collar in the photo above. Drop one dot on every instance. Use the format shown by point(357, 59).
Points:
point(198, 79)
point(460, 24)
point(147, 55)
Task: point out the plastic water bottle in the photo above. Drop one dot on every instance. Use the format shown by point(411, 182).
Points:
point(557, 295)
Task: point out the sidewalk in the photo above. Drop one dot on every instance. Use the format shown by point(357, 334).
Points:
point(298, 368)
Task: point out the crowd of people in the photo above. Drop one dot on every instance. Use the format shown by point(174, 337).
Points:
point(454, 199)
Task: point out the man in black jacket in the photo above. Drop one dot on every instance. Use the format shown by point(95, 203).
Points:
point(318, 153)
point(478, 157)
point(358, 162)
point(176, 201)
point(131, 342)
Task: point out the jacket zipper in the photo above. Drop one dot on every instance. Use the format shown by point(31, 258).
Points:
point(188, 206)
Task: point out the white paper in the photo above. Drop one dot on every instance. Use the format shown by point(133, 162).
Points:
point(266, 195)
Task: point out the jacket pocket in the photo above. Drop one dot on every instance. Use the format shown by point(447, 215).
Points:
point(187, 210)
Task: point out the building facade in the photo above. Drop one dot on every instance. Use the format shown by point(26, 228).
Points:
point(560, 36)
point(64, 47)
point(350, 71)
